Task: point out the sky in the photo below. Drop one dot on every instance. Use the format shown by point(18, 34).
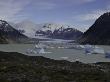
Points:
point(81, 14)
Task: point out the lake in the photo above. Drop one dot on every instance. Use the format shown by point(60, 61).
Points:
point(72, 54)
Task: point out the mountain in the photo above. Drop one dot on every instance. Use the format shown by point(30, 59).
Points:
point(59, 32)
point(26, 27)
point(99, 32)
point(8, 34)
point(47, 30)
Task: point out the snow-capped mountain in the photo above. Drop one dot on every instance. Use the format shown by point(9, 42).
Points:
point(47, 30)
point(8, 34)
point(52, 26)
point(26, 27)
point(57, 31)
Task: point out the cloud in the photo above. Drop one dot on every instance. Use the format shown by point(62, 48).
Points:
point(52, 4)
point(9, 8)
point(83, 1)
point(44, 5)
point(90, 16)
point(86, 20)
point(13, 9)
point(83, 28)
point(86, 1)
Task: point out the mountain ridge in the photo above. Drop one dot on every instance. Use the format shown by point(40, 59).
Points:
point(99, 32)
point(47, 30)
point(10, 35)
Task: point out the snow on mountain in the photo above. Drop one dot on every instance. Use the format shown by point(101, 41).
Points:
point(27, 27)
point(58, 31)
point(52, 26)
point(34, 30)
point(8, 34)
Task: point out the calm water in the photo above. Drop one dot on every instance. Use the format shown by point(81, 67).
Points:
point(73, 54)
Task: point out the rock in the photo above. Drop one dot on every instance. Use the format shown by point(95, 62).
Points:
point(22, 68)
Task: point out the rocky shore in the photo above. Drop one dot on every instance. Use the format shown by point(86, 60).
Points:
point(16, 67)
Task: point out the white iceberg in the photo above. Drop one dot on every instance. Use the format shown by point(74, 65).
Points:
point(43, 52)
point(107, 55)
point(89, 49)
point(38, 49)
point(98, 50)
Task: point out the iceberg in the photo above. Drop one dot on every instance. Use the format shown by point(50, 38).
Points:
point(42, 51)
point(78, 47)
point(89, 49)
point(38, 49)
point(98, 50)
point(107, 55)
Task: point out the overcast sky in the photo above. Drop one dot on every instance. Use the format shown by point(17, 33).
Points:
point(79, 13)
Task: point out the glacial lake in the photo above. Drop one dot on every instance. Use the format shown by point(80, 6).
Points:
point(56, 53)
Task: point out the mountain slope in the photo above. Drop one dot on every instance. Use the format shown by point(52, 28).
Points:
point(26, 27)
point(63, 32)
point(47, 30)
point(99, 32)
point(8, 34)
